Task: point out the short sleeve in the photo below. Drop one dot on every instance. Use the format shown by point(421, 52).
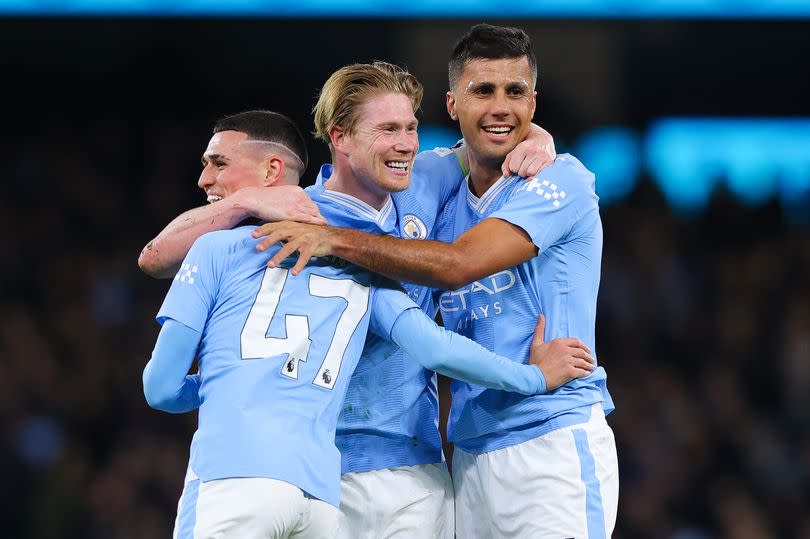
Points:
point(192, 294)
point(548, 206)
point(389, 301)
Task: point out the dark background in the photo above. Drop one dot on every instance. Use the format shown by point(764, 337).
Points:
point(703, 323)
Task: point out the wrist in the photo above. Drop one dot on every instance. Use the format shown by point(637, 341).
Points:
point(241, 204)
point(338, 243)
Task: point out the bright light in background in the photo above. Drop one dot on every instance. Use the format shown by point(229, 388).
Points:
point(734, 9)
point(689, 159)
point(755, 159)
point(614, 155)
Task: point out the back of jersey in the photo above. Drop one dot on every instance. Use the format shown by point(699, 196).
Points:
point(275, 359)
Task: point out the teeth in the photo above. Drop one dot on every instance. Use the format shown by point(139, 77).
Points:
point(498, 130)
point(397, 164)
point(214, 198)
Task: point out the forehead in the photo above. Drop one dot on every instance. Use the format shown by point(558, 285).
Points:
point(225, 143)
point(385, 108)
point(501, 70)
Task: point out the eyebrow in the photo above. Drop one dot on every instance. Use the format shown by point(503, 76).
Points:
point(384, 125)
point(212, 157)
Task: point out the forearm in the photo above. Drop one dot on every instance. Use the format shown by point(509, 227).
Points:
point(161, 258)
point(456, 356)
point(166, 384)
point(425, 262)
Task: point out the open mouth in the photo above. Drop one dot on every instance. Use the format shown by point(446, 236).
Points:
point(214, 198)
point(400, 167)
point(498, 130)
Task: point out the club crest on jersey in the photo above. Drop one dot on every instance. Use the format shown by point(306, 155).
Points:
point(413, 228)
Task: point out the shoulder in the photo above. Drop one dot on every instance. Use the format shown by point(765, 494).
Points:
point(569, 172)
point(436, 158)
point(226, 240)
point(564, 181)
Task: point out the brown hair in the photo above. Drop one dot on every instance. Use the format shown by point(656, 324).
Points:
point(351, 86)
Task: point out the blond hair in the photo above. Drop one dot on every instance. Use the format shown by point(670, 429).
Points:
point(351, 86)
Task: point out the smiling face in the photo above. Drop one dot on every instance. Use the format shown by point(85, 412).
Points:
point(229, 166)
point(383, 145)
point(494, 102)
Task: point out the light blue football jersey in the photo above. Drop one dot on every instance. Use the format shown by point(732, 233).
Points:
point(390, 416)
point(559, 210)
point(275, 358)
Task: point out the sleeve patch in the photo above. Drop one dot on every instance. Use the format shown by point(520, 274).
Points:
point(186, 274)
point(545, 189)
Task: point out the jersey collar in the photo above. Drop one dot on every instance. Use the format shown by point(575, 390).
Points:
point(481, 205)
point(359, 207)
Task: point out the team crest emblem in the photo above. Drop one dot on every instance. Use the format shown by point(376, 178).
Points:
point(413, 228)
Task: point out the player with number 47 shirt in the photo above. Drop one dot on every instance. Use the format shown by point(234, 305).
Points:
point(275, 355)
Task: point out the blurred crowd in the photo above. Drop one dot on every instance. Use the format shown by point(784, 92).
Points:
point(703, 327)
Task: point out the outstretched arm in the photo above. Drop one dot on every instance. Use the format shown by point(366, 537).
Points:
point(488, 247)
point(161, 258)
point(167, 385)
point(551, 364)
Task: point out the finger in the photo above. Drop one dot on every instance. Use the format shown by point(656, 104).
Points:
point(262, 230)
point(579, 373)
point(541, 164)
point(573, 342)
point(285, 251)
point(312, 219)
point(583, 364)
point(581, 354)
point(316, 216)
point(269, 241)
point(305, 218)
point(517, 161)
point(539, 331)
point(530, 167)
point(304, 256)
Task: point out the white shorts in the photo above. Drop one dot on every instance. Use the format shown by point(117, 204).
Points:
point(412, 502)
point(559, 485)
point(244, 508)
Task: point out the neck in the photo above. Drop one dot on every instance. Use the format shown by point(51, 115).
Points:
point(343, 180)
point(482, 174)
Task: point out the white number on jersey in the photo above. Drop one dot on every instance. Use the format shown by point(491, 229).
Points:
point(296, 343)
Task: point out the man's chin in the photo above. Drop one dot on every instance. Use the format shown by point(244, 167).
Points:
point(395, 184)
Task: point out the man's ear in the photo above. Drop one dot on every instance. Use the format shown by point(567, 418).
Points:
point(451, 106)
point(338, 137)
point(274, 167)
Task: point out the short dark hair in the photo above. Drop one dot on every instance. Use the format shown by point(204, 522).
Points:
point(488, 42)
point(268, 126)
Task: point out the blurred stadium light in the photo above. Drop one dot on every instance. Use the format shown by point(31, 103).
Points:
point(755, 159)
point(419, 8)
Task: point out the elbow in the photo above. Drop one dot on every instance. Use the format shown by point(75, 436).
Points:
point(158, 401)
point(157, 396)
point(147, 261)
point(150, 264)
point(154, 399)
